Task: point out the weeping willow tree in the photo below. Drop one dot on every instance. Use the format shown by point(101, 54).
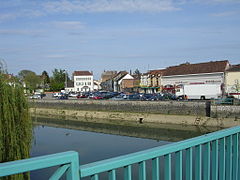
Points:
point(15, 125)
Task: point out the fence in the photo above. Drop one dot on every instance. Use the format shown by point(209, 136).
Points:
point(213, 156)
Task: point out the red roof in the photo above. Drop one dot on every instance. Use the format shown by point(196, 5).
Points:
point(82, 73)
point(207, 67)
point(157, 72)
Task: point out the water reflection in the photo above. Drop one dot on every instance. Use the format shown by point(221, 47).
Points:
point(101, 139)
point(156, 131)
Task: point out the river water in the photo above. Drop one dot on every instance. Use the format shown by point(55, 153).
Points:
point(100, 140)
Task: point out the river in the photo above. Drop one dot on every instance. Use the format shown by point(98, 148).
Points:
point(102, 139)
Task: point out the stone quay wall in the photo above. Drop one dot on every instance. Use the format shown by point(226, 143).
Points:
point(164, 112)
point(149, 107)
point(225, 111)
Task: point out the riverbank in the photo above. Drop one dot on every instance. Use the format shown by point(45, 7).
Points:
point(155, 131)
point(164, 112)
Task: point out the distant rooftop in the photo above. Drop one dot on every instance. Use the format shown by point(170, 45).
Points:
point(206, 67)
point(82, 73)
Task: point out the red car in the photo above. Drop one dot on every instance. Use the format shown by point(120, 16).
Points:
point(97, 97)
point(82, 96)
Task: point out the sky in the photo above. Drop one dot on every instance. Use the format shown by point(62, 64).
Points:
point(98, 35)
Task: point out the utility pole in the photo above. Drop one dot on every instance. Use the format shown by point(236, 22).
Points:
point(65, 78)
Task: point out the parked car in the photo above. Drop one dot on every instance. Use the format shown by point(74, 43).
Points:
point(97, 97)
point(145, 97)
point(117, 98)
point(225, 100)
point(169, 96)
point(64, 96)
point(36, 96)
point(73, 94)
point(55, 95)
point(82, 95)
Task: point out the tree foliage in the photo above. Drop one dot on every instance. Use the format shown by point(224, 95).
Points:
point(31, 80)
point(137, 73)
point(45, 79)
point(58, 79)
point(15, 125)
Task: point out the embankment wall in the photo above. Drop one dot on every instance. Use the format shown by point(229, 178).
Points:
point(154, 107)
point(166, 112)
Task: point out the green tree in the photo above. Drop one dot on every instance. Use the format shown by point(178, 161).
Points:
point(15, 125)
point(31, 80)
point(57, 81)
point(138, 73)
point(45, 79)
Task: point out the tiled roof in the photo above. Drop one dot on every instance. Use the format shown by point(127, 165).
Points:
point(119, 75)
point(82, 73)
point(157, 72)
point(187, 68)
point(234, 68)
point(136, 76)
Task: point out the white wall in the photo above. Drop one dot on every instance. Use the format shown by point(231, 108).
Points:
point(144, 80)
point(210, 78)
point(69, 89)
point(127, 76)
point(81, 81)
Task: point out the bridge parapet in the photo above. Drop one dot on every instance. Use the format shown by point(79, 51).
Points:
point(212, 156)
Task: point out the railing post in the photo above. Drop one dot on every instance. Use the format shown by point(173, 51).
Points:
point(235, 156)
point(229, 158)
point(198, 161)
point(189, 164)
point(73, 171)
point(215, 161)
point(222, 160)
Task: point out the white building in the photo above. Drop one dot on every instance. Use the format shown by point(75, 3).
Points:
point(144, 80)
point(127, 76)
point(201, 73)
point(96, 85)
point(232, 81)
point(83, 81)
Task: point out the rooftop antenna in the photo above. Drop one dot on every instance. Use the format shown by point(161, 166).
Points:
point(3, 66)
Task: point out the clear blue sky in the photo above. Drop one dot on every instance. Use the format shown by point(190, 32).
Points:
point(99, 35)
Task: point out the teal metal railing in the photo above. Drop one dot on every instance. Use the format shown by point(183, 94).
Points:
point(213, 156)
point(68, 162)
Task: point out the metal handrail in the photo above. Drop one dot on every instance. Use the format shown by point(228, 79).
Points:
point(217, 153)
point(122, 161)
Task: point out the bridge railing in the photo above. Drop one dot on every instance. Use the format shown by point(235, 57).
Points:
point(67, 161)
point(216, 156)
point(212, 156)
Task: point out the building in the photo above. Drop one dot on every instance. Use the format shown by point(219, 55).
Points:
point(96, 85)
point(116, 79)
point(107, 80)
point(69, 86)
point(232, 81)
point(107, 85)
point(83, 81)
point(125, 77)
point(151, 82)
point(106, 75)
point(130, 85)
point(144, 81)
point(202, 73)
